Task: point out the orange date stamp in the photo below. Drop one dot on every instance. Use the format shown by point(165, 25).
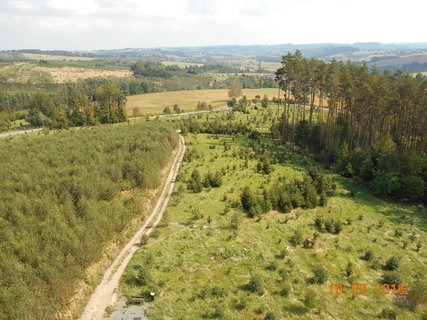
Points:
point(362, 289)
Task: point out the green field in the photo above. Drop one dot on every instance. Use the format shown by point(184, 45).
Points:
point(154, 103)
point(199, 266)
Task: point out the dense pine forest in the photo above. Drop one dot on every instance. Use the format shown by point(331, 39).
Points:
point(64, 196)
point(371, 125)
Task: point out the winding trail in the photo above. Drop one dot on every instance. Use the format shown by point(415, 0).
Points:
point(104, 293)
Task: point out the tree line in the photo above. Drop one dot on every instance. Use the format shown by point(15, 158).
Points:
point(75, 105)
point(369, 124)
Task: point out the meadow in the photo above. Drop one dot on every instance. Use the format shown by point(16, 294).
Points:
point(154, 103)
point(209, 259)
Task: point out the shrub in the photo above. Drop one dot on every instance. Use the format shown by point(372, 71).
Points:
point(388, 313)
point(392, 263)
point(272, 266)
point(213, 180)
point(319, 224)
point(283, 254)
point(195, 214)
point(310, 299)
point(392, 277)
point(376, 264)
point(412, 187)
point(250, 203)
point(235, 221)
point(297, 199)
point(255, 284)
point(368, 256)
point(310, 196)
point(418, 292)
point(285, 291)
point(195, 183)
point(270, 316)
point(337, 226)
point(398, 233)
point(144, 240)
point(296, 238)
point(219, 312)
point(349, 269)
point(320, 275)
point(384, 183)
point(329, 226)
point(284, 203)
point(218, 291)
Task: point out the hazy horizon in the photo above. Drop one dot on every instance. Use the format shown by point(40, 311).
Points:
point(101, 24)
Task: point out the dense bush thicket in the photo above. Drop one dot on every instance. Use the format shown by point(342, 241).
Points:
point(217, 125)
point(373, 126)
point(313, 190)
point(211, 180)
point(61, 203)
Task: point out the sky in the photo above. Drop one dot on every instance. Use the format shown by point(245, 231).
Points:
point(113, 24)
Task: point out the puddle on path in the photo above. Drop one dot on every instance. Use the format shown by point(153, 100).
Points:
point(127, 312)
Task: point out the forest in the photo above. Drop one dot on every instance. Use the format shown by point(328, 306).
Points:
point(65, 196)
point(370, 125)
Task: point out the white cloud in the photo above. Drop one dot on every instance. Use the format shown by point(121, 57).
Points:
point(91, 24)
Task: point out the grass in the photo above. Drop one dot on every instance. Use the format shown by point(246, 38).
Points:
point(154, 103)
point(199, 266)
point(17, 125)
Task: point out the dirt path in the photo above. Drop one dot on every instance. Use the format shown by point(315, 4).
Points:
point(14, 133)
point(105, 293)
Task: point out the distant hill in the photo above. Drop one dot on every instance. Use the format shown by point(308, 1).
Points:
point(410, 57)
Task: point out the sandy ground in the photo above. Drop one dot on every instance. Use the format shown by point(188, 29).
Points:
point(105, 293)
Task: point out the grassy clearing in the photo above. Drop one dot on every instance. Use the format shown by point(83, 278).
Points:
point(200, 267)
point(154, 103)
